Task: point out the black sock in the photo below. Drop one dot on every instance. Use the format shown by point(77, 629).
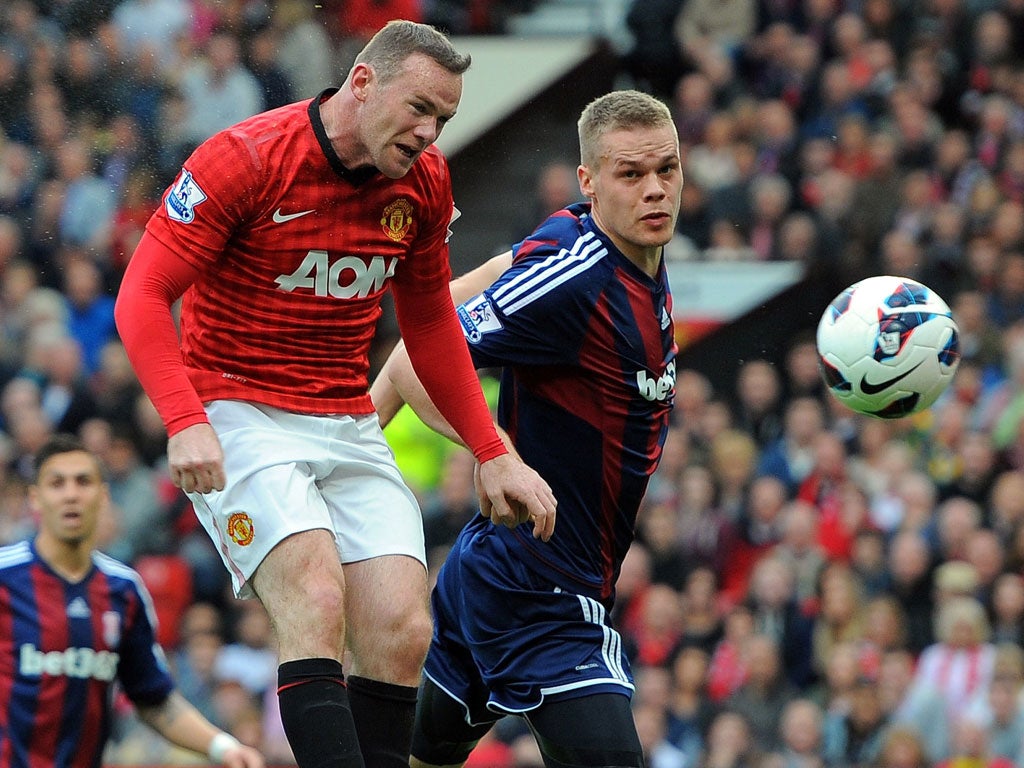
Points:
point(316, 715)
point(384, 714)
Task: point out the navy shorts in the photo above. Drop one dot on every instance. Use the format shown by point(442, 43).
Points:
point(507, 638)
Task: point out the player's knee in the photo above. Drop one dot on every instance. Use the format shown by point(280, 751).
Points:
point(322, 604)
point(413, 640)
point(418, 629)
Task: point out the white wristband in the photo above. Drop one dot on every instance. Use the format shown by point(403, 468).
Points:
point(219, 746)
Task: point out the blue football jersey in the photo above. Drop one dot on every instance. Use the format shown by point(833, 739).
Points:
point(585, 340)
point(62, 645)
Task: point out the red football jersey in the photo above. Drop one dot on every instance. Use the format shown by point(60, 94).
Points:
point(298, 252)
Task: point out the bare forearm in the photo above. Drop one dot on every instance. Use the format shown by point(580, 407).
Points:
point(397, 379)
point(180, 723)
point(397, 383)
point(473, 282)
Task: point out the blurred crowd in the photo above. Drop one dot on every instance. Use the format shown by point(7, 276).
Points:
point(809, 589)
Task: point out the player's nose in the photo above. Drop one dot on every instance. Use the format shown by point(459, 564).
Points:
point(428, 130)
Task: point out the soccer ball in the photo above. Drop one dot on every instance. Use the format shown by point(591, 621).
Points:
point(888, 346)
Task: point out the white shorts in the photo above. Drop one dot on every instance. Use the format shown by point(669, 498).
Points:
point(291, 472)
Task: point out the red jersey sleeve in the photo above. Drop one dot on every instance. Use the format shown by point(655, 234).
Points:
point(156, 276)
point(433, 336)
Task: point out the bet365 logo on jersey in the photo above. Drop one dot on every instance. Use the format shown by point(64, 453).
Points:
point(81, 663)
point(657, 388)
point(345, 278)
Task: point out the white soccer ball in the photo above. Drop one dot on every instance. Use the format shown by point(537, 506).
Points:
point(888, 346)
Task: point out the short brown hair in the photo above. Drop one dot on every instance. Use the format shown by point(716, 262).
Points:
point(615, 111)
point(399, 39)
point(58, 444)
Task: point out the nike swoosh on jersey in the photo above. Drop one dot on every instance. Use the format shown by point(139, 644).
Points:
point(281, 218)
point(873, 389)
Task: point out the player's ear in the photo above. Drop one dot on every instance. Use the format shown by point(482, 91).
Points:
point(586, 179)
point(359, 80)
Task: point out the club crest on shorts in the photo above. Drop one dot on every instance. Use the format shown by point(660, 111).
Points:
point(183, 198)
point(240, 529)
point(396, 219)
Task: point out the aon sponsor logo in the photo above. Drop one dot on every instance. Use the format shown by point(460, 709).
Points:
point(345, 278)
point(74, 662)
point(657, 389)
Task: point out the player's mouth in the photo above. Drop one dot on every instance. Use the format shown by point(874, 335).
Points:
point(410, 152)
point(657, 217)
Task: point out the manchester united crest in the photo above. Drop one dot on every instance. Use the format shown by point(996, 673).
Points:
point(240, 529)
point(397, 219)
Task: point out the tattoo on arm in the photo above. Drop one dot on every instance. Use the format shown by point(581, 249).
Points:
point(162, 716)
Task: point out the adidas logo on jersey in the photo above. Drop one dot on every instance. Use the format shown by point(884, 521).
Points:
point(79, 609)
point(657, 389)
point(81, 663)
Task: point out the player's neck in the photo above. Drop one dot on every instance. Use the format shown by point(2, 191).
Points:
point(71, 560)
point(344, 142)
point(647, 260)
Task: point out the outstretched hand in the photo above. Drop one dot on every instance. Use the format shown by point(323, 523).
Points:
point(512, 493)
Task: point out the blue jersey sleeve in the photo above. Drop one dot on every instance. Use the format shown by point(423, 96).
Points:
point(538, 311)
point(142, 670)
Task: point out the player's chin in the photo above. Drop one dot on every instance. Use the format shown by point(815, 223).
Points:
point(401, 163)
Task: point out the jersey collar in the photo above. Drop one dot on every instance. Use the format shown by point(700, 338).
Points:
point(353, 177)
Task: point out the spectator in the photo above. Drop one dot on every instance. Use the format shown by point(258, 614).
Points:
point(87, 200)
point(90, 310)
point(1008, 609)
point(902, 748)
point(759, 529)
point(960, 665)
point(142, 520)
point(261, 60)
point(777, 615)
point(800, 549)
point(840, 617)
point(653, 61)
point(855, 737)
point(730, 743)
point(909, 567)
point(219, 91)
point(801, 733)
point(690, 711)
point(151, 24)
point(758, 395)
point(555, 188)
point(791, 457)
point(651, 727)
point(762, 698)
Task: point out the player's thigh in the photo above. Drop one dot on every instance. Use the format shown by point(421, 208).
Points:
point(271, 492)
point(301, 584)
point(388, 616)
point(441, 735)
point(594, 730)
